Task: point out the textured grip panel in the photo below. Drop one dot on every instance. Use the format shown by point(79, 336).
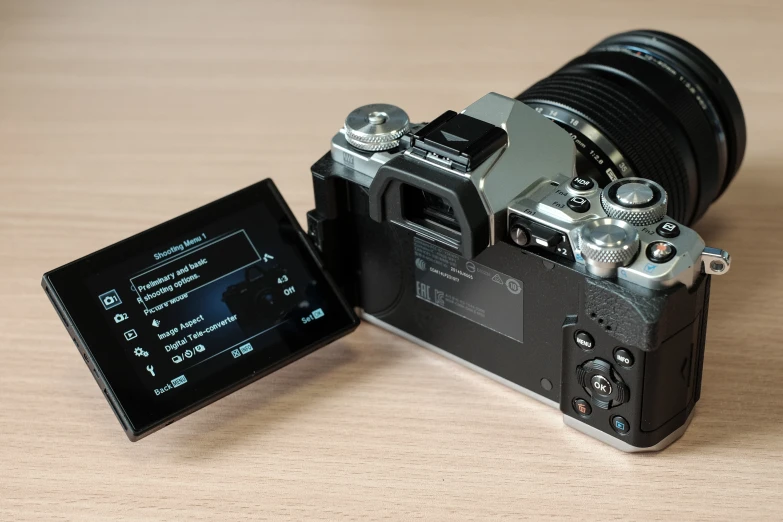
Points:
point(634, 318)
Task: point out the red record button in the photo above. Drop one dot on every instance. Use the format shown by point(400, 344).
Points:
point(582, 407)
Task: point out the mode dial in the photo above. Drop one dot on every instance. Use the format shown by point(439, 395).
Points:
point(638, 201)
point(607, 244)
point(376, 127)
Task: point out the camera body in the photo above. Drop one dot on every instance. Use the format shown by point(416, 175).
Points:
point(474, 236)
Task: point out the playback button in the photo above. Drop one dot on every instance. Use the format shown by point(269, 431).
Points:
point(620, 425)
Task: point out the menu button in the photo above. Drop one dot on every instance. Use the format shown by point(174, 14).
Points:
point(584, 340)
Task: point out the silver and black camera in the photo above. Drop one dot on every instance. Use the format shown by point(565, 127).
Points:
point(543, 240)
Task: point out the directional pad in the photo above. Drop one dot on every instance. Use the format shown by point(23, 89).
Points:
point(602, 383)
point(461, 141)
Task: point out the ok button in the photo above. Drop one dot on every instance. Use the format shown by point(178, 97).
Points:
point(601, 386)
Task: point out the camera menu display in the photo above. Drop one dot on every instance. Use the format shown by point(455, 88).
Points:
point(182, 311)
point(180, 314)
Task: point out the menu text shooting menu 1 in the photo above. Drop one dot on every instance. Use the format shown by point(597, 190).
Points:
point(172, 280)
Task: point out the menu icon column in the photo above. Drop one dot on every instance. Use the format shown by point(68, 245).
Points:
point(110, 299)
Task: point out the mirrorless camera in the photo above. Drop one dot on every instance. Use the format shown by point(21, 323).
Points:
point(541, 240)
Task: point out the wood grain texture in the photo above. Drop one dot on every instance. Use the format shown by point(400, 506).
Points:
point(115, 116)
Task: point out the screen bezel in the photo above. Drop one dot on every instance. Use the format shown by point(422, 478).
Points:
point(140, 413)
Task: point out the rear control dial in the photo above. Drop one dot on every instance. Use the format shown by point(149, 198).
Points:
point(637, 201)
point(608, 244)
point(599, 380)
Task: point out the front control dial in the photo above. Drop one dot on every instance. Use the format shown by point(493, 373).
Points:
point(638, 201)
point(604, 385)
point(608, 244)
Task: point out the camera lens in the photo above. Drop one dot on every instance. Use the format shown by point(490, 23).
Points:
point(649, 104)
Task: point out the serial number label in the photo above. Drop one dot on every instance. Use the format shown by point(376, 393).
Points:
point(469, 289)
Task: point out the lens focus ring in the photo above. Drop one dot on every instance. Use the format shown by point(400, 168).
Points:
point(637, 132)
point(659, 103)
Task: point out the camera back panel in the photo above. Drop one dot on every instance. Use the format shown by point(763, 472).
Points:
point(581, 296)
point(526, 319)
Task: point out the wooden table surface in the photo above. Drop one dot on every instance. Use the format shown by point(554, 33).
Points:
point(115, 116)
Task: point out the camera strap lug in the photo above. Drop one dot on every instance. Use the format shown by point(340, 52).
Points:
point(715, 261)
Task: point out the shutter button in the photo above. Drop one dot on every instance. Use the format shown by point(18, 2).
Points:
point(660, 252)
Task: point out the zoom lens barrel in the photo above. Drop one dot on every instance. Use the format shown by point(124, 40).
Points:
point(649, 104)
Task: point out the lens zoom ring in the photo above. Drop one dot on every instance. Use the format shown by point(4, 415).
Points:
point(637, 132)
point(674, 94)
